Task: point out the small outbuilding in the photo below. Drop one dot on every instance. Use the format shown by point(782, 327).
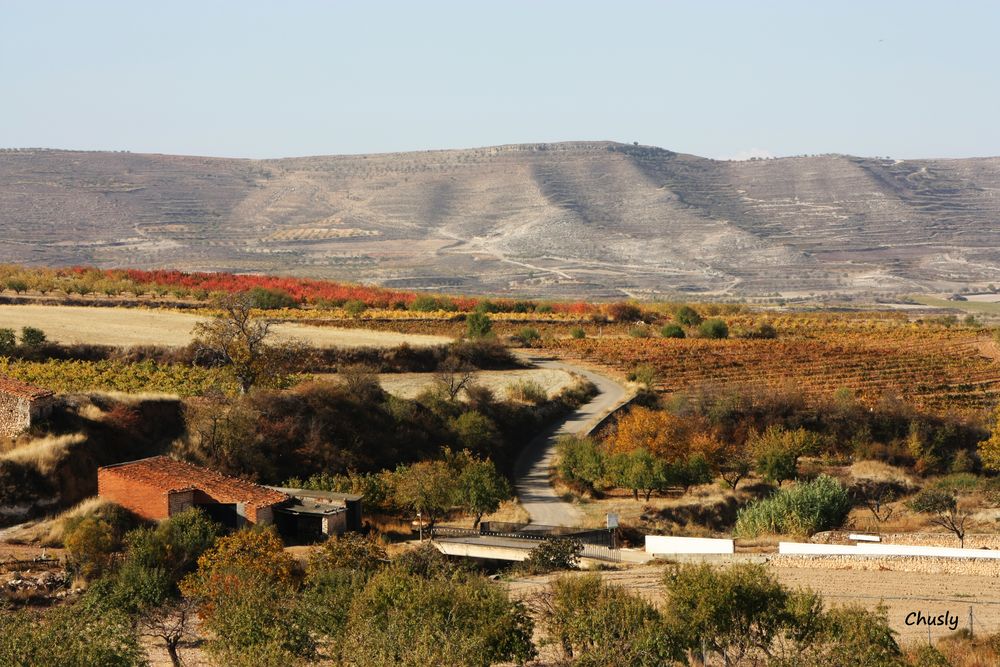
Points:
point(159, 487)
point(22, 404)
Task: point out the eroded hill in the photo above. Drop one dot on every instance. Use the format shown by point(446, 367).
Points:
point(563, 220)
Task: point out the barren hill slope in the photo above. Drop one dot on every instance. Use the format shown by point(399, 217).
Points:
point(571, 219)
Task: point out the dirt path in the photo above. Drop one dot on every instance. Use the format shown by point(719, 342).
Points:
point(138, 326)
point(532, 471)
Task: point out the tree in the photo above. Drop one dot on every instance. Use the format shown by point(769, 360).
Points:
point(461, 620)
point(351, 551)
point(478, 325)
point(170, 623)
point(32, 337)
point(481, 488)
point(731, 612)
point(944, 510)
point(776, 451)
point(238, 340)
point(688, 316)
point(84, 634)
point(662, 434)
point(452, 377)
point(876, 497)
point(597, 624)
point(639, 470)
point(17, 285)
point(580, 460)
point(90, 544)
point(427, 487)
point(476, 431)
point(989, 450)
point(8, 341)
point(246, 595)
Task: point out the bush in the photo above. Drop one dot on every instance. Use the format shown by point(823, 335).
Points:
point(90, 544)
point(271, 299)
point(8, 341)
point(527, 336)
point(688, 316)
point(32, 337)
point(355, 307)
point(527, 391)
point(598, 624)
point(672, 331)
point(644, 374)
point(575, 332)
point(640, 332)
point(478, 325)
point(552, 555)
point(427, 304)
point(624, 312)
point(715, 329)
point(803, 509)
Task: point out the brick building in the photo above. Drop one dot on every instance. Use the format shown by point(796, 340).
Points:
point(159, 487)
point(21, 404)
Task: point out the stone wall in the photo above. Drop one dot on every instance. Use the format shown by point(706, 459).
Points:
point(15, 414)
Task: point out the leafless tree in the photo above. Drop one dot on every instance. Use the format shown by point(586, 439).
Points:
point(172, 624)
point(876, 497)
point(452, 377)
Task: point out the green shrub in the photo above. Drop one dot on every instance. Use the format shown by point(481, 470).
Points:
point(644, 374)
point(355, 307)
point(527, 336)
point(553, 555)
point(640, 332)
point(32, 337)
point(672, 331)
point(478, 325)
point(271, 299)
point(688, 316)
point(803, 509)
point(427, 304)
point(575, 332)
point(8, 341)
point(715, 329)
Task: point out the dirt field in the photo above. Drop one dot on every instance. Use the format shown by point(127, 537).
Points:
point(408, 385)
point(133, 326)
point(902, 592)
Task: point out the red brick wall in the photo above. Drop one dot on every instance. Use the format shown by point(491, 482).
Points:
point(146, 501)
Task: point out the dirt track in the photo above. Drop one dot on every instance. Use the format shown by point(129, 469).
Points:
point(136, 326)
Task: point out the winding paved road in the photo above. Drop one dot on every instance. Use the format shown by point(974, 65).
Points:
point(532, 471)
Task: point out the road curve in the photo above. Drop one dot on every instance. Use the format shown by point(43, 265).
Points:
point(532, 470)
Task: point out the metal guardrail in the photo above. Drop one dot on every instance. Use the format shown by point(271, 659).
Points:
point(595, 537)
point(601, 553)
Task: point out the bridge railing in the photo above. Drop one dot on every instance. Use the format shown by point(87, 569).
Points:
point(536, 533)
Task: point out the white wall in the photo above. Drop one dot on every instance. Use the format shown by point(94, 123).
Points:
point(668, 544)
point(810, 549)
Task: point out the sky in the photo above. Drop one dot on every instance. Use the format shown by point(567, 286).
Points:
point(719, 79)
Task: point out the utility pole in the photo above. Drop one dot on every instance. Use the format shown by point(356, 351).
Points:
point(420, 526)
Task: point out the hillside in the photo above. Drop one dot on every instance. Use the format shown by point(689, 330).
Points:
point(563, 220)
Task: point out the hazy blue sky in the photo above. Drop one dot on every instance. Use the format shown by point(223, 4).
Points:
point(720, 79)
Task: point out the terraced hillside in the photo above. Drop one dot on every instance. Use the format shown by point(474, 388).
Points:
point(564, 220)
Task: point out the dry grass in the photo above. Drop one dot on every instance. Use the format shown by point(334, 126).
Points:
point(43, 454)
point(49, 532)
point(877, 471)
point(137, 326)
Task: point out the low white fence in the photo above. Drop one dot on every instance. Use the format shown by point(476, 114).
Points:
point(668, 544)
point(873, 549)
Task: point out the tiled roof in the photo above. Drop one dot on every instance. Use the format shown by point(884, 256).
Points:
point(20, 389)
point(170, 475)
